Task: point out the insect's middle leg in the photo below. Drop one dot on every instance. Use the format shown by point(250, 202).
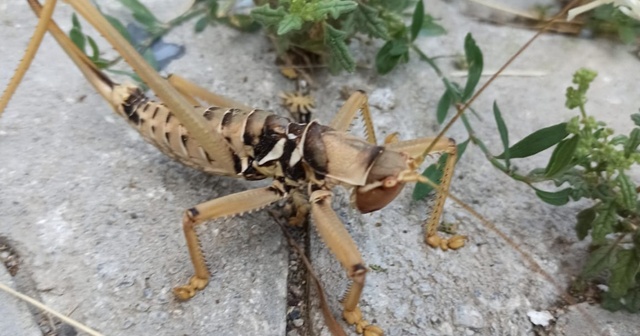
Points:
point(338, 240)
point(229, 205)
point(415, 148)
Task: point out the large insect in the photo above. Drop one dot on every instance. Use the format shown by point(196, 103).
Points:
point(227, 138)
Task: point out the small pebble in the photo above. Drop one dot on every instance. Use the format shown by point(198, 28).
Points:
point(468, 316)
point(383, 99)
point(541, 318)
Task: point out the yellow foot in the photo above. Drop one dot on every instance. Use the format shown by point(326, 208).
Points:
point(453, 243)
point(362, 326)
point(186, 292)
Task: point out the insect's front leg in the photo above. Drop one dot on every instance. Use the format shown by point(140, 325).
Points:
point(338, 240)
point(358, 103)
point(226, 206)
point(415, 149)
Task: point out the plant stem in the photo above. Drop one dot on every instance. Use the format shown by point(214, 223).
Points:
point(495, 162)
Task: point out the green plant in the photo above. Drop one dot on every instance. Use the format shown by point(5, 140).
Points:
point(589, 161)
point(319, 29)
point(324, 28)
point(613, 17)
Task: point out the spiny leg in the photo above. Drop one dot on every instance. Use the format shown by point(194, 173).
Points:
point(338, 240)
point(230, 205)
point(415, 149)
point(30, 52)
point(357, 102)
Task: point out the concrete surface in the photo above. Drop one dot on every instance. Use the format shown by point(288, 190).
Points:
point(94, 210)
point(15, 317)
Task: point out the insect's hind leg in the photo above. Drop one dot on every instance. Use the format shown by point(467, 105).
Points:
point(230, 205)
point(415, 149)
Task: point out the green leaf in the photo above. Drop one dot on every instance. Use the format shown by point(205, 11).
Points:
point(390, 55)
point(636, 118)
point(610, 303)
point(632, 144)
point(334, 8)
point(620, 139)
point(399, 49)
point(462, 147)
point(627, 34)
point(632, 300)
point(334, 38)
point(78, 38)
point(201, 24)
point(599, 260)
point(397, 6)
point(475, 62)
point(119, 27)
point(627, 191)
point(290, 22)
point(95, 52)
point(554, 198)
point(370, 22)
point(623, 273)
point(562, 156)
point(584, 220)
point(537, 141)
point(417, 20)
point(435, 171)
point(444, 104)
point(603, 224)
point(141, 13)
point(504, 133)
point(431, 28)
point(76, 22)
point(267, 15)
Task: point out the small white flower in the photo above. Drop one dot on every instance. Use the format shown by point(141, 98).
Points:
point(630, 8)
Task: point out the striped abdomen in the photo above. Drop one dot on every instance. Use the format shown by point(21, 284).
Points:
point(262, 144)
